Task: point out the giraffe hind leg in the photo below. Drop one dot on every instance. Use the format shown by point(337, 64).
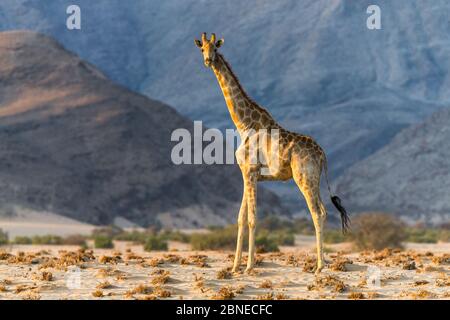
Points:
point(309, 185)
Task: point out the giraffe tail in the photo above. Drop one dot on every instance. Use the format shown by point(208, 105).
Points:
point(345, 220)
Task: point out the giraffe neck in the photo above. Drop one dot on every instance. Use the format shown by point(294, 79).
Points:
point(245, 113)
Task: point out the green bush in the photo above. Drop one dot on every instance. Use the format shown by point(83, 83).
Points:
point(47, 239)
point(133, 236)
point(444, 235)
point(273, 223)
point(334, 236)
point(377, 231)
point(3, 237)
point(109, 232)
point(175, 236)
point(303, 226)
point(265, 243)
point(225, 238)
point(282, 238)
point(155, 243)
point(427, 235)
point(22, 240)
point(297, 226)
point(75, 240)
point(220, 238)
point(103, 242)
point(422, 235)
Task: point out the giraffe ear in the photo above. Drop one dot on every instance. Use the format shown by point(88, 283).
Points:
point(198, 43)
point(219, 43)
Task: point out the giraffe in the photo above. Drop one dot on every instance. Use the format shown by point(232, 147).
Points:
point(296, 157)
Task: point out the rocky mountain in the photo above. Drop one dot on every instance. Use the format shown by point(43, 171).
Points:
point(74, 143)
point(313, 63)
point(410, 176)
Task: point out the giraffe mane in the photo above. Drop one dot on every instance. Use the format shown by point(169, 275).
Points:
point(236, 79)
point(244, 93)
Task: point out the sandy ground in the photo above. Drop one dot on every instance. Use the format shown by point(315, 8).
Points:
point(127, 272)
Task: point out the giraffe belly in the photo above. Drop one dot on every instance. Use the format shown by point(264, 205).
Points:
point(274, 172)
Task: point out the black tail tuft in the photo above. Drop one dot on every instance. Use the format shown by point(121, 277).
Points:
point(344, 216)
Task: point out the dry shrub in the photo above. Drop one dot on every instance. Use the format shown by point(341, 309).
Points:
point(133, 256)
point(281, 296)
point(24, 258)
point(356, 295)
point(162, 293)
point(240, 289)
point(23, 287)
point(422, 294)
point(200, 285)
point(362, 283)
point(46, 276)
point(334, 283)
point(199, 260)
point(161, 278)
point(443, 280)
point(172, 258)
point(444, 259)
point(31, 295)
point(109, 272)
point(410, 265)
point(68, 258)
point(110, 259)
point(224, 274)
point(159, 271)
point(266, 284)
point(141, 289)
point(97, 293)
point(104, 285)
point(267, 296)
point(224, 293)
point(420, 282)
point(310, 264)
point(5, 255)
point(292, 260)
point(340, 264)
point(377, 231)
point(148, 297)
point(155, 262)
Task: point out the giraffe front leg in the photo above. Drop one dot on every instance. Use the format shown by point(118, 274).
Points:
point(251, 208)
point(242, 219)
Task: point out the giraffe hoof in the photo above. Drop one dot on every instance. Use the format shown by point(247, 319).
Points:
point(249, 271)
point(318, 270)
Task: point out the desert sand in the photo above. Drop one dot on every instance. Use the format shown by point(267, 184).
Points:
point(420, 271)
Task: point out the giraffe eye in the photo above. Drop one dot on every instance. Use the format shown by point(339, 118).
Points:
point(202, 50)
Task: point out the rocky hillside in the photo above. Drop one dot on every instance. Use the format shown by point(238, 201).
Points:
point(74, 143)
point(410, 176)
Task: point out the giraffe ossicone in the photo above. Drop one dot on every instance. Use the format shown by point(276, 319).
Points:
point(296, 157)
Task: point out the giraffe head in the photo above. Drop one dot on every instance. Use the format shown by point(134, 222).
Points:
point(209, 48)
